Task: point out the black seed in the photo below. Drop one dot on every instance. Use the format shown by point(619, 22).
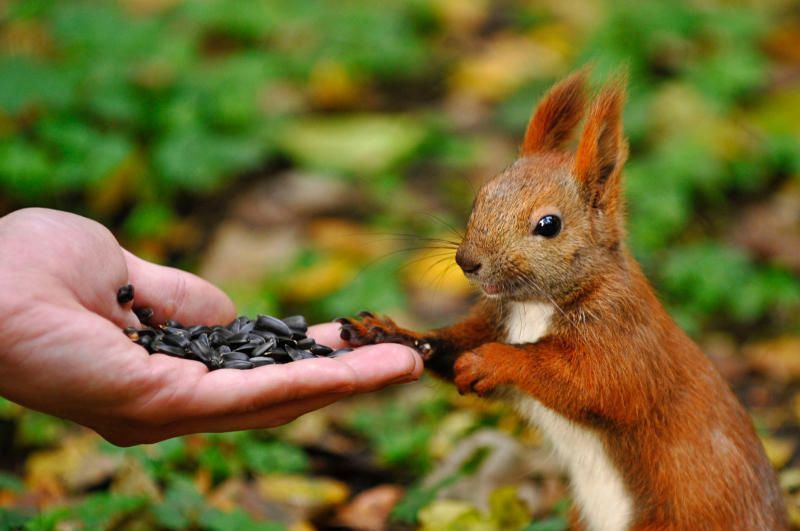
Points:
point(160, 346)
point(261, 349)
point(306, 342)
point(234, 325)
point(320, 350)
point(339, 352)
point(201, 349)
point(229, 356)
point(246, 348)
point(298, 354)
point(237, 364)
point(263, 333)
point(143, 314)
point(296, 322)
point(239, 338)
point(243, 344)
point(177, 340)
point(271, 324)
point(125, 294)
point(196, 330)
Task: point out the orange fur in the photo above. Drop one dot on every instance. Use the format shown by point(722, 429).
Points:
point(557, 116)
point(611, 361)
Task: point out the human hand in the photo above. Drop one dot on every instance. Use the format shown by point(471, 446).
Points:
point(62, 350)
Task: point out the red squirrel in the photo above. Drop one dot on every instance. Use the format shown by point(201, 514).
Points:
point(570, 331)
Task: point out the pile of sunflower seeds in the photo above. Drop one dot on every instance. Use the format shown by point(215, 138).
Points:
point(243, 344)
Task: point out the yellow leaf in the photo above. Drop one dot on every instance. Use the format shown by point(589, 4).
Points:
point(77, 463)
point(458, 16)
point(446, 515)
point(778, 450)
point(318, 280)
point(506, 63)
point(450, 429)
point(331, 85)
point(507, 510)
point(309, 492)
point(346, 238)
point(778, 358)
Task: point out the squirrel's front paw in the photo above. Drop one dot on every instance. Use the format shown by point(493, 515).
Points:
point(474, 373)
point(368, 330)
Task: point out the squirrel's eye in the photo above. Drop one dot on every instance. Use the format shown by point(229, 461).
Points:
point(548, 226)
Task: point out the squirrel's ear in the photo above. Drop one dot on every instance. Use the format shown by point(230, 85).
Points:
point(602, 150)
point(557, 114)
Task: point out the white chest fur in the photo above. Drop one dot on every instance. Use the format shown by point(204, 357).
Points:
point(597, 486)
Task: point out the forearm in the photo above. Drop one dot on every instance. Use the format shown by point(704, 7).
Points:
point(576, 383)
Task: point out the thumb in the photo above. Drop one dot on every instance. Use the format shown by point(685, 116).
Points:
point(176, 294)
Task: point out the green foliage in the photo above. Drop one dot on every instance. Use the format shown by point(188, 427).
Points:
point(375, 286)
point(12, 519)
point(274, 456)
point(400, 433)
point(713, 280)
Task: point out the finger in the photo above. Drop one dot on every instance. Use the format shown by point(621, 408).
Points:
point(176, 294)
point(372, 367)
point(176, 393)
point(380, 365)
point(376, 365)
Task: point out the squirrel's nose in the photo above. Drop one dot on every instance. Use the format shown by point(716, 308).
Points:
point(466, 263)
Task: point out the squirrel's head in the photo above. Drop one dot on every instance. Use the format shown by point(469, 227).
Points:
point(543, 227)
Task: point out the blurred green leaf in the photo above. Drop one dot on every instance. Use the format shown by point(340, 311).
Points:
point(10, 519)
point(201, 160)
point(28, 83)
point(149, 220)
point(274, 456)
point(216, 520)
point(102, 510)
point(376, 286)
point(10, 482)
point(182, 505)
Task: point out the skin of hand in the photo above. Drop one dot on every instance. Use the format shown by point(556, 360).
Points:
point(62, 351)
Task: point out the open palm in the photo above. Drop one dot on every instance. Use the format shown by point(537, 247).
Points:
point(62, 351)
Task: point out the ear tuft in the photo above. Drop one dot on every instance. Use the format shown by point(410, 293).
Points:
point(557, 114)
point(602, 150)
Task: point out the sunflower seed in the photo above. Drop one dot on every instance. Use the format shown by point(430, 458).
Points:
point(242, 344)
point(320, 350)
point(237, 364)
point(272, 324)
point(305, 342)
point(298, 354)
point(160, 346)
point(125, 294)
point(230, 356)
point(296, 322)
point(143, 314)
